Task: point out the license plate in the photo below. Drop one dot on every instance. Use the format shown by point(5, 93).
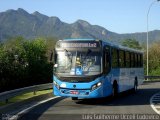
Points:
point(74, 92)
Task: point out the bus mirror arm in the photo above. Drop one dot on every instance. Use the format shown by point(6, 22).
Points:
point(51, 56)
point(55, 57)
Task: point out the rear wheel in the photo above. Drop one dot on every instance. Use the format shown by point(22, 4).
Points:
point(74, 98)
point(135, 85)
point(115, 90)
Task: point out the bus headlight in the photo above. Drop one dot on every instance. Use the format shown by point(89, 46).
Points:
point(99, 84)
point(56, 84)
point(95, 86)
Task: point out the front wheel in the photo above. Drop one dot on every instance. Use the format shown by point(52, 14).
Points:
point(74, 98)
point(115, 90)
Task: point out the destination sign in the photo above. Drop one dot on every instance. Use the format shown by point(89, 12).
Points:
point(78, 44)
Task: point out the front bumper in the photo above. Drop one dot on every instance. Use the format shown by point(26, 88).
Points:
point(80, 93)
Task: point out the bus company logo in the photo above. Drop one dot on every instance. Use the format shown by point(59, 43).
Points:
point(74, 86)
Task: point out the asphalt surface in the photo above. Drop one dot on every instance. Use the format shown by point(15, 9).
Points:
point(128, 104)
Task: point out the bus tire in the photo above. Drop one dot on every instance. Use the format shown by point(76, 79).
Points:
point(135, 85)
point(74, 98)
point(115, 90)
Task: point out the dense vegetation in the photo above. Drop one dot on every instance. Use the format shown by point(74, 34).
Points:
point(25, 62)
point(131, 43)
point(154, 59)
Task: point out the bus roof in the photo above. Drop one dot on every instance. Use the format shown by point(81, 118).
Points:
point(74, 39)
point(114, 45)
point(106, 42)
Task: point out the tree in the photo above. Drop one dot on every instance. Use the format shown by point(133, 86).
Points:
point(131, 43)
point(24, 62)
point(154, 59)
point(12, 71)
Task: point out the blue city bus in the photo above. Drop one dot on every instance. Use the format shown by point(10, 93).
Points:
point(88, 68)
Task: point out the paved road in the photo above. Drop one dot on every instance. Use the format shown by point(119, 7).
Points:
point(126, 103)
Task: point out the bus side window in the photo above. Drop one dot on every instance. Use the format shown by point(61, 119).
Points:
point(141, 60)
point(136, 60)
point(124, 54)
point(132, 60)
point(118, 62)
point(107, 65)
point(121, 59)
point(127, 59)
point(115, 58)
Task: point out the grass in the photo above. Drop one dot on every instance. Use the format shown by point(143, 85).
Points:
point(153, 79)
point(25, 96)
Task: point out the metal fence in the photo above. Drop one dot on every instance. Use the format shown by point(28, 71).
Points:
point(4, 96)
point(151, 77)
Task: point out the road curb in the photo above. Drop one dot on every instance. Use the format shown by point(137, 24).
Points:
point(151, 81)
point(14, 107)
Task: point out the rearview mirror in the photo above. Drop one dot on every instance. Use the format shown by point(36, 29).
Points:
point(54, 68)
point(55, 56)
point(55, 65)
point(51, 56)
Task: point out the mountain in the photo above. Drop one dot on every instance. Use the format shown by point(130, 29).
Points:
point(21, 23)
point(142, 36)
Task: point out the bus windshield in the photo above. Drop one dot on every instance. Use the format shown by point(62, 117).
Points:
point(78, 63)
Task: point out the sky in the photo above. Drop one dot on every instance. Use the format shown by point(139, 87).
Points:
point(120, 16)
